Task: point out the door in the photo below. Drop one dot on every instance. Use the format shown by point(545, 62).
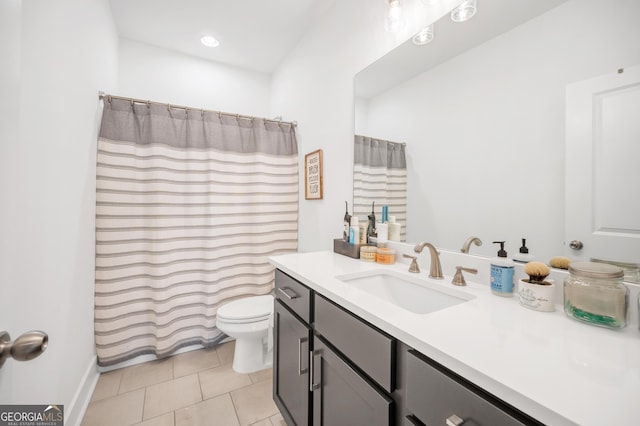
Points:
point(290, 366)
point(603, 167)
point(341, 396)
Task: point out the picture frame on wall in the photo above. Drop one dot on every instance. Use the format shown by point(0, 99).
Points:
point(313, 175)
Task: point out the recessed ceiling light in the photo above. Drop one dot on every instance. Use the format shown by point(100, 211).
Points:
point(424, 37)
point(464, 11)
point(209, 41)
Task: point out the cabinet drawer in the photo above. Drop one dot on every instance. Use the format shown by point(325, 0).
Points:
point(435, 394)
point(366, 347)
point(294, 295)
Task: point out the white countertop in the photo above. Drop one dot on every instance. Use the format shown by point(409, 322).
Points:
point(558, 370)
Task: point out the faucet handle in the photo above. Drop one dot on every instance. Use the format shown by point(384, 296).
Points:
point(458, 278)
point(414, 263)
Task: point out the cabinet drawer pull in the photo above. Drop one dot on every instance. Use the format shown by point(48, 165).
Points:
point(284, 290)
point(454, 420)
point(312, 385)
point(411, 419)
point(301, 371)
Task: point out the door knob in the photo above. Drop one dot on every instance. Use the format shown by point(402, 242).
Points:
point(576, 244)
point(26, 347)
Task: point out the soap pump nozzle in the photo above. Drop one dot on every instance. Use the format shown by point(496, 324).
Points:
point(501, 252)
point(524, 249)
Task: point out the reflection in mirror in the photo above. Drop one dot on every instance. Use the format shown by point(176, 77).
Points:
point(482, 109)
point(380, 179)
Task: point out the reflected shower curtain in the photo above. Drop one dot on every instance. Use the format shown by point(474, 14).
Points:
point(189, 206)
point(380, 175)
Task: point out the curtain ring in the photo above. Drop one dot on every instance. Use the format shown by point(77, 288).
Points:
point(109, 98)
point(131, 102)
point(202, 113)
point(148, 104)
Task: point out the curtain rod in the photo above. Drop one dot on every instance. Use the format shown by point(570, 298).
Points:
point(278, 120)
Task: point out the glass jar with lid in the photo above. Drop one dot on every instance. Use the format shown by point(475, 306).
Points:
point(594, 293)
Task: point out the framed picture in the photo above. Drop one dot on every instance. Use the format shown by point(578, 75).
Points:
point(313, 175)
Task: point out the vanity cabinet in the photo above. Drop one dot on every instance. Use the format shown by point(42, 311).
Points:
point(333, 368)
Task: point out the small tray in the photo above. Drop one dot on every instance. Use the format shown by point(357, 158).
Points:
point(340, 246)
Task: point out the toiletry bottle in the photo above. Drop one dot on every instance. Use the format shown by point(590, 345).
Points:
point(385, 214)
point(502, 273)
point(523, 256)
point(362, 230)
point(354, 231)
point(346, 223)
point(383, 232)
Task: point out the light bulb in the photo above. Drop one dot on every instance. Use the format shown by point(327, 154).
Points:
point(424, 36)
point(464, 11)
point(394, 19)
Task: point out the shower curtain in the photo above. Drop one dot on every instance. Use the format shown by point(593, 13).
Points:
point(380, 175)
point(189, 206)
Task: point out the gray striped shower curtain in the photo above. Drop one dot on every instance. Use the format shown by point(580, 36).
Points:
point(380, 176)
point(189, 206)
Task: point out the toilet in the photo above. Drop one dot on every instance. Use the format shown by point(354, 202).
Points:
point(248, 320)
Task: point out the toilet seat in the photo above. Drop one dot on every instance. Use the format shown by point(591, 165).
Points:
point(247, 310)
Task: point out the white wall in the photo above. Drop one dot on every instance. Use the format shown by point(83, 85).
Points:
point(65, 51)
point(485, 130)
point(314, 86)
point(149, 72)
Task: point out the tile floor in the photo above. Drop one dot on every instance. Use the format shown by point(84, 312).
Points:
point(191, 389)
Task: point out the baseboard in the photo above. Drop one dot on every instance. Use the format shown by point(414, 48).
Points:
point(74, 412)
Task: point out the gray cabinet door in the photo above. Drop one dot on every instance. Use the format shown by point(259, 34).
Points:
point(343, 397)
point(291, 366)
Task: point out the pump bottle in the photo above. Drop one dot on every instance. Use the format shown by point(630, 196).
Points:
point(502, 270)
point(523, 256)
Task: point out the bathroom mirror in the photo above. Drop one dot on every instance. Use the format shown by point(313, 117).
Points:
point(482, 111)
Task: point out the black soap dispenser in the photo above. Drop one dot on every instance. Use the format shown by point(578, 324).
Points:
point(523, 256)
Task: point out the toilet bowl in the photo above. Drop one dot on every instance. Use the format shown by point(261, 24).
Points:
point(248, 320)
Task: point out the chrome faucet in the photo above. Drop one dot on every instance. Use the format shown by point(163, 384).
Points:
point(435, 271)
point(467, 244)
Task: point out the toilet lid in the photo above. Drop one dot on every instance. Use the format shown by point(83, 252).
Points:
point(249, 309)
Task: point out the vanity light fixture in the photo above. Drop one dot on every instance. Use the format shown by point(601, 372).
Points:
point(393, 17)
point(424, 36)
point(464, 11)
point(209, 41)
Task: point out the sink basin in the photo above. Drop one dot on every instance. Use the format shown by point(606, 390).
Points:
point(414, 294)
